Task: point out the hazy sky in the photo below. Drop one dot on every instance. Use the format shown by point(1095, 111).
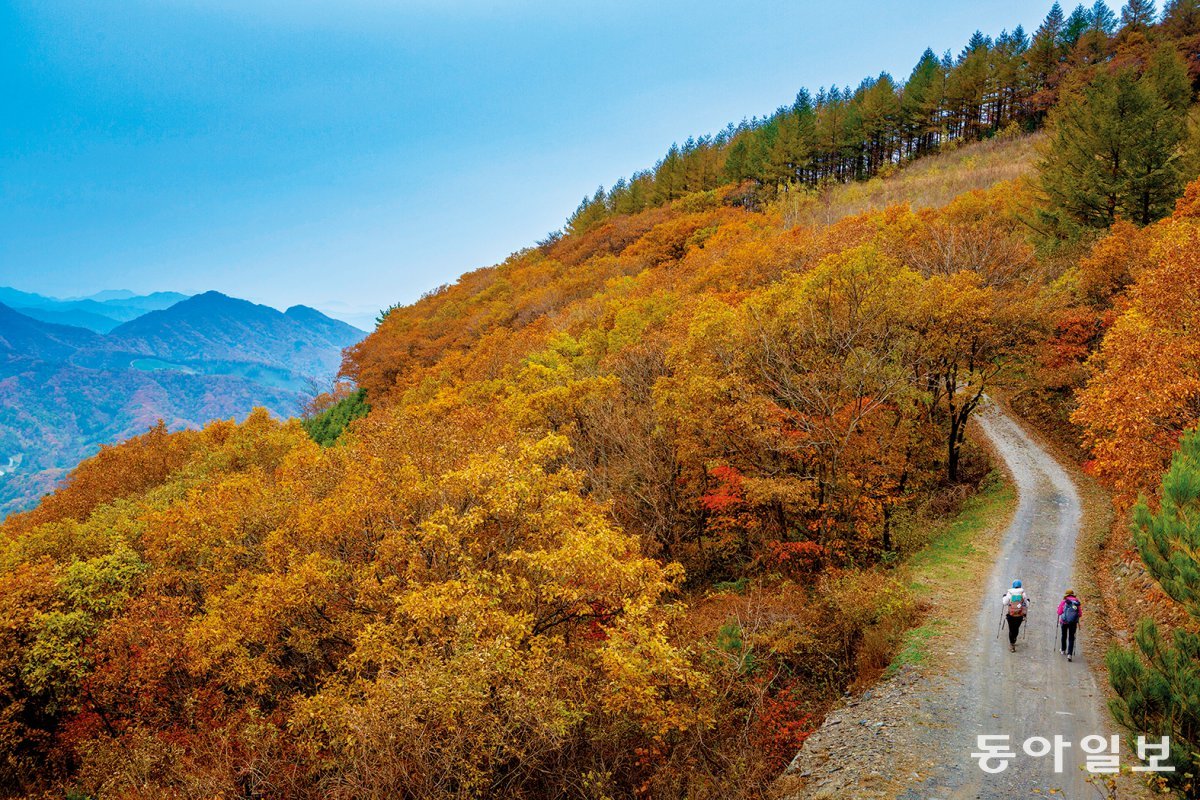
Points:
point(354, 153)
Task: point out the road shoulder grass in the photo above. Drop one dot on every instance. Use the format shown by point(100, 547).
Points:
point(958, 556)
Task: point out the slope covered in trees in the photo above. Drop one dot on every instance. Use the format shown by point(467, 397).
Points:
point(616, 517)
point(1009, 82)
point(493, 560)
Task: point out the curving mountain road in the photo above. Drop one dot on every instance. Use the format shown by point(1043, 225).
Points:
point(911, 737)
point(1035, 691)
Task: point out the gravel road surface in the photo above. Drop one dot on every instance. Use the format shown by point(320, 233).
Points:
point(912, 736)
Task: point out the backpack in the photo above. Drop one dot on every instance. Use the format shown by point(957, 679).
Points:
point(1070, 612)
point(1017, 605)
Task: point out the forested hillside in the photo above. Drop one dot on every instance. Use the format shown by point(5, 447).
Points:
point(624, 514)
point(1010, 81)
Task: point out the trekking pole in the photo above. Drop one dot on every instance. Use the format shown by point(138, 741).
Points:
point(1000, 627)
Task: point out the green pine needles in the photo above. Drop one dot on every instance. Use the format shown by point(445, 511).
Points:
point(326, 427)
point(1115, 148)
point(1158, 681)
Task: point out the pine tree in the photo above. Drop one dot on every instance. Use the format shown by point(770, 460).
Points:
point(737, 160)
point(880, 108)
point(1095, 44)
point(1103, 18)
point(831, 134)
point(325, 428)
point(640, 187)
point(668, 177)
point(590, 213)
point(1009, 77)
point(1158, 683)
point(1079, 21)
point(1045, 52)
point(790, 142)
point(967, 88)
point(920, 103)
point(617, 201)
point(1052, 26)
point(852, 152)
point(1137, 15)
point(1019, 40)
point(1112, 152)
point(976, 43)
point(782, 136)
point(699, 169)
point(806, 118)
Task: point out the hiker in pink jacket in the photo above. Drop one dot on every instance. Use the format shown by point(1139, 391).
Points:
point(1070, 612)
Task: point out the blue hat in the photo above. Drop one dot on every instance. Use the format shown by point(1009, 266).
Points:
point(1016, 584)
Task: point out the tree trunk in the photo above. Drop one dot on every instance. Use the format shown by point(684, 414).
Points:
point(952, 451)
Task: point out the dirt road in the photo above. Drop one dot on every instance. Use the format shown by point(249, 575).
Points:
point(912, 736)
point(1035, 691)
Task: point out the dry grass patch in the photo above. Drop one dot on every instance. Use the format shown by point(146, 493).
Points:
point(929, 182)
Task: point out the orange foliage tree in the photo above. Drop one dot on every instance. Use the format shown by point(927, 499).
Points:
point(1145, 385)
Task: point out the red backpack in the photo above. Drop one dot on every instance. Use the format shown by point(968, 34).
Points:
point(1017, 605)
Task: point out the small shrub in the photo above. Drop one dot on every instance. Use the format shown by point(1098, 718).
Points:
point(327, 426)
point(736, 587)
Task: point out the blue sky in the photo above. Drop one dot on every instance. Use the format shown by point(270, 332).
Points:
point(356, 153)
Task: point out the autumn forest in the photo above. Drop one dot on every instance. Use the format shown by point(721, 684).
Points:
point(623, 515)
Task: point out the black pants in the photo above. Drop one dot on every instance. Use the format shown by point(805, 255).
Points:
point(1068, 636)
point(1014, 625)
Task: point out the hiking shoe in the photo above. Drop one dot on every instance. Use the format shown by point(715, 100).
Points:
point(1012, 648)
point(1069, 658)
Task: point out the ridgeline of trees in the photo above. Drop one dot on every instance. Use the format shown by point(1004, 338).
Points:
point(992, 85)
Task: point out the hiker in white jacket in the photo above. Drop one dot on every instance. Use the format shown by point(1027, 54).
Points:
point(1016, 604)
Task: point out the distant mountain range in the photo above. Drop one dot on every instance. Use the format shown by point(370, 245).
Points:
point(67, 389)
point(100, 312)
